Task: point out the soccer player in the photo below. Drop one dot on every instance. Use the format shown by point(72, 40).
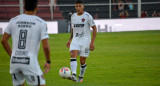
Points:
point(81, 43)
point(27, 31)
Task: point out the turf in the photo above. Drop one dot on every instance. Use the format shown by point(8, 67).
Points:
point(119, 59)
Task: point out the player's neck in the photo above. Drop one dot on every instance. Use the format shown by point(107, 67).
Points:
point(80, 13)
point(30, 12)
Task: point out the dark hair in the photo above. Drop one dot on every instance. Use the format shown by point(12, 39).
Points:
point(30, 5)
point(79, 1)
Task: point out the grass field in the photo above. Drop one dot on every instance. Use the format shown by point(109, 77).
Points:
point(119, 59)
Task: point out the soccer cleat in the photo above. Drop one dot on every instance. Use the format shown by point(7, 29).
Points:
point(73, 78)
point(80, 79)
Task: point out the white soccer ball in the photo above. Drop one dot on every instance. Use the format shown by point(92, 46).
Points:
point(65, 72)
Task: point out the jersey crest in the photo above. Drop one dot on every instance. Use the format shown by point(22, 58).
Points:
point(83, 20)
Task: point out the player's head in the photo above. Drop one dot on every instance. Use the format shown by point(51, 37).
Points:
point(79, 6)
point(30, 5)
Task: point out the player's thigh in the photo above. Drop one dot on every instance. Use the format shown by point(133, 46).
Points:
point(74, 53)
point(35, 80)
point(74, 50)
point(18, 79)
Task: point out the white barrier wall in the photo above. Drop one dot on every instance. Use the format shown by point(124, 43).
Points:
point(52, 27)
point(111, 25)
point(138, 24)
point(3, 25)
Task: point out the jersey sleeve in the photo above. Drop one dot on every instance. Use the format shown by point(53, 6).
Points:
point(8, 28)
point(44, 32)
point(91, 21)
point(72, 22)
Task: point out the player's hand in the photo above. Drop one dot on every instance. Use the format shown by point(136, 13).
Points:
point(68, 44)
point(46, 67)
point(91, 46)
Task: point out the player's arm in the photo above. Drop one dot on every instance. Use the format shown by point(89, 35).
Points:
point(154, 13)
point(5, 43)
point(93, 37)
point(121, 13)
point(127, 13)
point(46, 50)
point(70, 39)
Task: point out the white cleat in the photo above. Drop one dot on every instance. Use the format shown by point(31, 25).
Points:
point(73, 78)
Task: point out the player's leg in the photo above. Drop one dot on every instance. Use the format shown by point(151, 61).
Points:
point(82, 68)
point(84, 53)
point(42, 85)
point(23, 84)
point(73, 64)
point(74, 51)
point(73, 61)
point(35, 80)
point(18, 79)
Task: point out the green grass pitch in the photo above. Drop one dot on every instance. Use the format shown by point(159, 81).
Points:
point(119, 59)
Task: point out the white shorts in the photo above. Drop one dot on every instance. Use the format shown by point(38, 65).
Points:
point(83, 50)
point(19, 78)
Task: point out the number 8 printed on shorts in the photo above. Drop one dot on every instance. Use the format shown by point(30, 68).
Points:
point(22, 39)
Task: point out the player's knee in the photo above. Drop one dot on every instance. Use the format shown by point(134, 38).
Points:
point(73, 55)
point(82, 62)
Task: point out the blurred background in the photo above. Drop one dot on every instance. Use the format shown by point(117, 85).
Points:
point(99, 9)
point(57, 13)
point(120, 58)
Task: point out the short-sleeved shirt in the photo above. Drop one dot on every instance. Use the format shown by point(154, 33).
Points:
point(26, 31)
point(81, 28)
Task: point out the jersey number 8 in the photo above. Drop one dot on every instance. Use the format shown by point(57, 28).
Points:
point(22, 39)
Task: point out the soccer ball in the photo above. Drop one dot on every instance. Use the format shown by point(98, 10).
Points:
point(65, 72)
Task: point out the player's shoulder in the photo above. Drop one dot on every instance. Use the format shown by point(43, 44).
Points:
point(15, 18)
point(87, 14)
point(40, 20)
point(73, 15)
point(24, 16)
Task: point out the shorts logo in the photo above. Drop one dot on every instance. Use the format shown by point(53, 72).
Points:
point(86, 50)
point(33, 78)
point(20, 60)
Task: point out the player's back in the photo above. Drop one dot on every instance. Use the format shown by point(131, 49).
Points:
point(27, 31)
point(26, 34)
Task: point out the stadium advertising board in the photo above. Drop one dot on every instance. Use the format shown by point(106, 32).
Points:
point(109, 25)
point(52, 27)
point(138, 24)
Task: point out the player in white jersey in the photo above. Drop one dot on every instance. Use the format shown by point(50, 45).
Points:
point(27, 30)
point(81, 43)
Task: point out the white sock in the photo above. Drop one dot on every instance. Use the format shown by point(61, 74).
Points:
point(82, 70)
point(73, 65)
